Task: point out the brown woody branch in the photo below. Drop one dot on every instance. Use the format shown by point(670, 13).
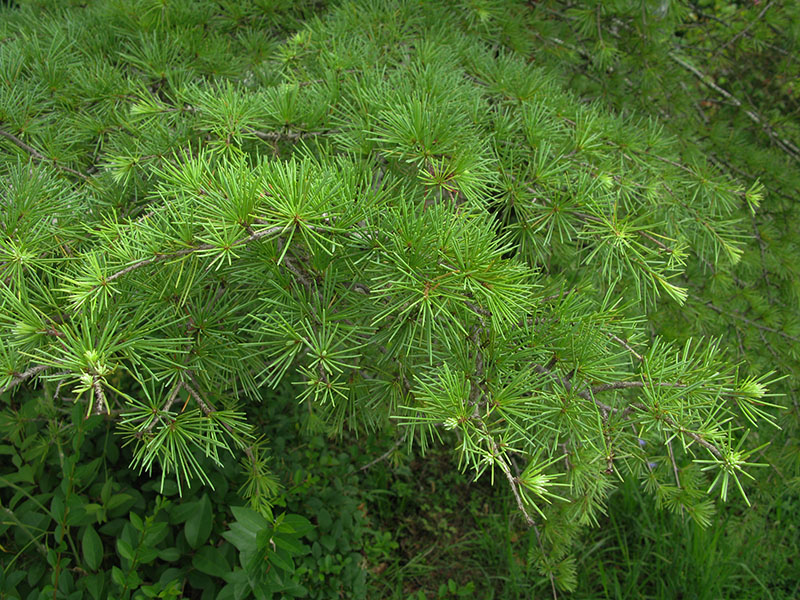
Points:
point(588, 394)
point(292, 136)
point(100, 395)
point(186, 251)
point(24, 376)
point(167, 405)
point(736, 315)
point(38, 155)
point(626, 345)
point(207, 408)
point(784, 144)
point(383, 456)
point(513, 481)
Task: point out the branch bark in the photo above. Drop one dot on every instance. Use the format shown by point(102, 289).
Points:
point(24, 376)
point(186, 251)
point(784, 144)
point(38, 155)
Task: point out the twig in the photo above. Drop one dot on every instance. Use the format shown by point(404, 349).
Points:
point(588, 394)
point(513, 483)
point(361, 288)
point(786, 145)
point(384, 455)
point(558, 296)
point(101, 397)
point(205, 407)
point(58, 387)
point(626, 345)
point(292, 136)
point(507, 471)
point(674, 464)
point(762, 247)
point(199, 248)
point(584, 217)
point(624, 385)
point(292, 266)
point(692, 434)
point(167, 405)
point(641, 407)
point(479, 311)
point(609, 445)
point(745, 30)
point(657, 242)
point(24, 376)
point(209, 408)
point(567, 465)
point(753, 323)
point(38, 155)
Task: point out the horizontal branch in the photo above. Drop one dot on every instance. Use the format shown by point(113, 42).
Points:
point(184, 252)
point(736, 315)
point(643, 408)
point(291, 136)
point(38, 155)
point(624, 385)
point(588, 394)
point(24, 376)
point(687, 432)
point(786, 145)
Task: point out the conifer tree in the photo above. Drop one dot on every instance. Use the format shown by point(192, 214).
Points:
point(386, 204)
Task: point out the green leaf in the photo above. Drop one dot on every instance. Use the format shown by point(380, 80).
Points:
point(117, 576)
point(281, 560)
point(211, 561)
point(125, 549)
point(146, 555)
point(198, 526)
point(180, 513)
point(92, 548)
point(243, 538)
point(169, 554)
point(119, 503)
point(296, 524)
point(136, 520)
point(105, 492)
point(290, 544)
point(249, 518)
point(94, 584)
point(324, 519)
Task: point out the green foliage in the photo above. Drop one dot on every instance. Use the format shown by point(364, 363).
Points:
point(716, 75)
point(559, 271)
point(107, 533)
